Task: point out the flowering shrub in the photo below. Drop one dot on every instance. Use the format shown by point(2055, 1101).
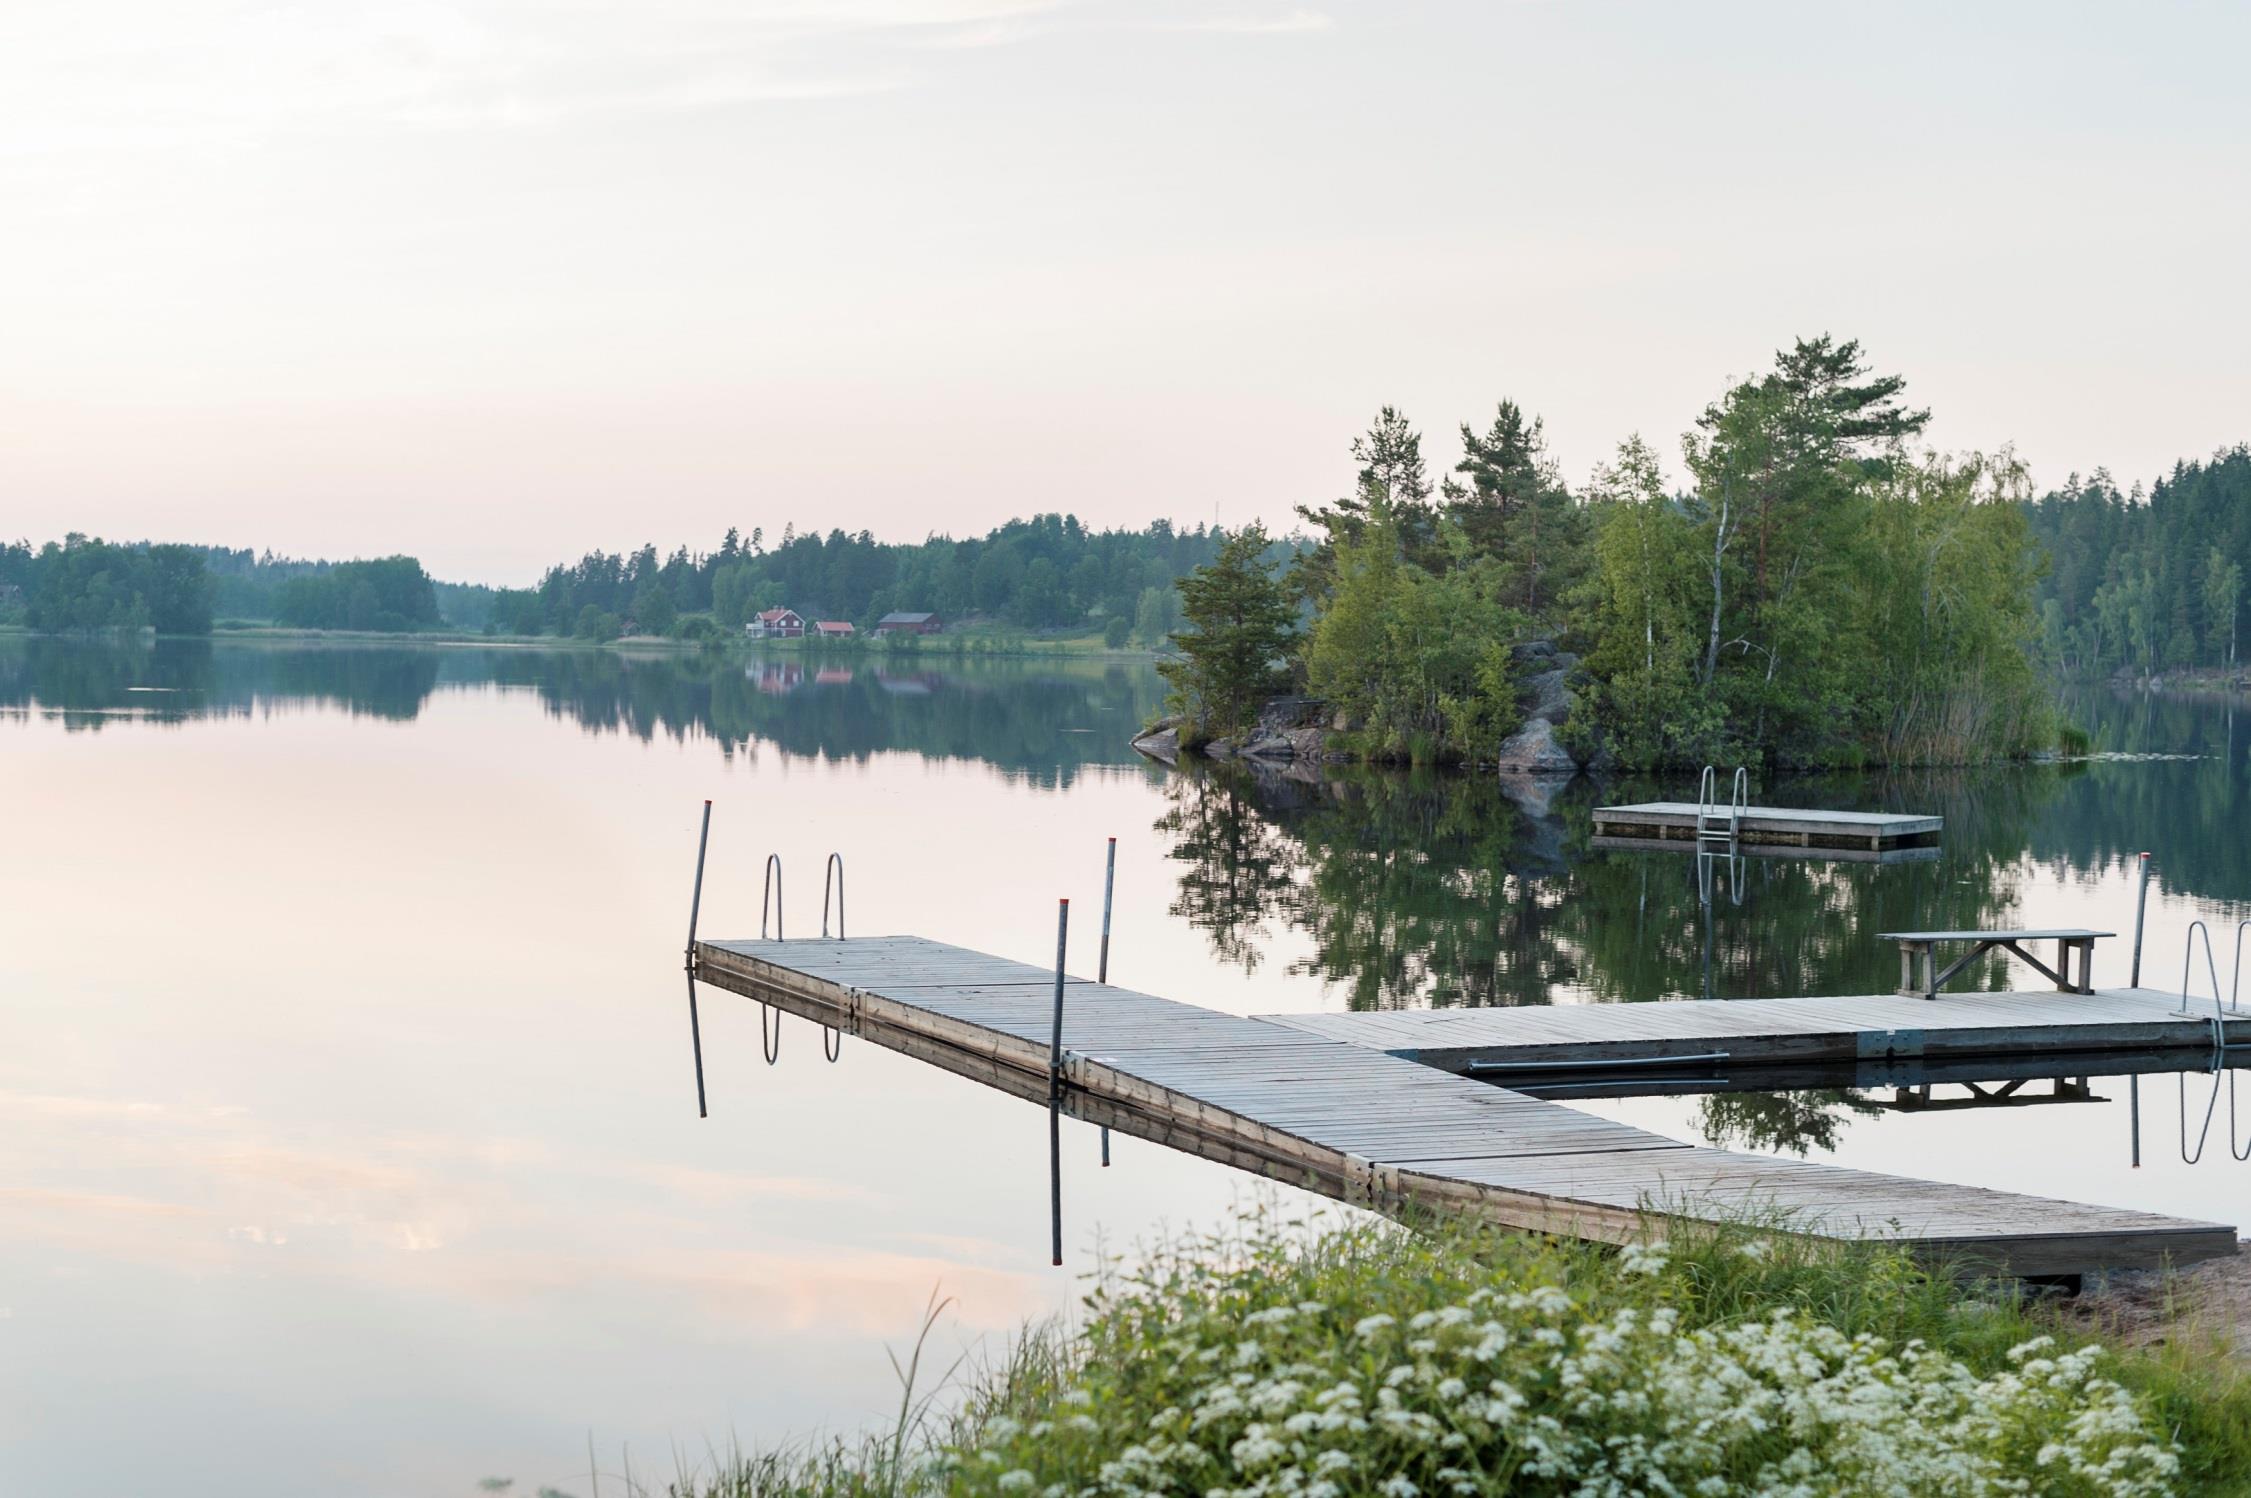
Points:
point(1370, 1361)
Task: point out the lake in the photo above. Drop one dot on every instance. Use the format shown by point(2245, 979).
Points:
point(349, 1117)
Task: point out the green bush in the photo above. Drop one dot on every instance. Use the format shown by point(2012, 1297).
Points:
point(1378, 1361)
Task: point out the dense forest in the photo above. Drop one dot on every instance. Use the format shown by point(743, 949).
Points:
point(2147, 582)
point(1042, 573)
point(83, 583)
point(1818, 591)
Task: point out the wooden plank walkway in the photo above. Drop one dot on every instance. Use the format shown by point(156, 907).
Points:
point(1355, 1122)
point(1844, 1028)
point(1668, 822)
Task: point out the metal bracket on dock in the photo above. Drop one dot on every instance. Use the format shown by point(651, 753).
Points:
point(1369, 1184)
point(1877, 1044)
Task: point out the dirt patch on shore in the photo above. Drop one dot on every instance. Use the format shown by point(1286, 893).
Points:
point(2149, 1307)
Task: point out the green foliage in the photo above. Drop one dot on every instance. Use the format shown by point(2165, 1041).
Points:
point(1115, 631)
point(83, 584)
point(1416, 658)
point(1156, 614)
point(2146, 582)
point(1241, 627)
point(1049, 572)
point(1366, 1358)
point(1819, 595)
point(391, 594)
point(1514, 510)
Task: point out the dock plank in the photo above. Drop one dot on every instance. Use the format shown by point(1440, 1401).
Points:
point(1350, 1104)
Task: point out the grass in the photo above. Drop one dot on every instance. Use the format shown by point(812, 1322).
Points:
point(1325, 1360)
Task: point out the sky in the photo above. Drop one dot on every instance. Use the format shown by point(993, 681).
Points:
point(497, 283)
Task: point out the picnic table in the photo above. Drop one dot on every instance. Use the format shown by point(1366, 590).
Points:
point(1924, 944)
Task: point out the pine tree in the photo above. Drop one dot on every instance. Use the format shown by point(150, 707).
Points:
point(1240, 628)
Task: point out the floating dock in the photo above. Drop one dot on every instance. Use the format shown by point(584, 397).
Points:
point(1341, 1111)
point(1675, 823)
point(1856, 1027)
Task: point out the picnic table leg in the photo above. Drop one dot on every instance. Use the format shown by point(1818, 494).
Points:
point(1906, 967)
point(1929, 950)
point(2063, 965)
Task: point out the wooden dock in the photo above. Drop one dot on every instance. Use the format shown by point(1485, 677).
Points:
point(1852, 1027)
point(1349, 1118)
point(1674, 823)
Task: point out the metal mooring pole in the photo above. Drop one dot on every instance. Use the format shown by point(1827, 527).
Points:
point(1102, 965)
point(695, 909)
point(2141, 903)
point(1055, 1092)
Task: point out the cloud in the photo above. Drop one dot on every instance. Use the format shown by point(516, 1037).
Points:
point(1294, 23)
point(168, 74)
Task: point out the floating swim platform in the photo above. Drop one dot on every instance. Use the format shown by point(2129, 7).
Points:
point(1671, 823)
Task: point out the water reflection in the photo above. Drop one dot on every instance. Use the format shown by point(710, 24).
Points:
point(1043, 718)
point(1423, 889)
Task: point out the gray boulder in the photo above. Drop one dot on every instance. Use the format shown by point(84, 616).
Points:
point(1547, 695)
point(1161, 744)
point(1533, 750)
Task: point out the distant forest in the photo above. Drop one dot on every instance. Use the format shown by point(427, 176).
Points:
point(2144, 580)
point(2147, 582)
point(1044, 573)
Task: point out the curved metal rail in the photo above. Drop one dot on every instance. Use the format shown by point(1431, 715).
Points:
point(1709, 827)
point(835, 867)
point(832, 1040)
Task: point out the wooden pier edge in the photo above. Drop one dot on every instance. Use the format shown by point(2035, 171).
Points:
point(1118, 1099)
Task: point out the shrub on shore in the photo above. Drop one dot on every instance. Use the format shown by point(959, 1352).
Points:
point(1282, 1359)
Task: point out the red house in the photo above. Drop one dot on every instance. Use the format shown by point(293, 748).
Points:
point(777, 624)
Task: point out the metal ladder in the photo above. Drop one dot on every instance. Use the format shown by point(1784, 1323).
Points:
point(1711, 825)
point(2221, 1012)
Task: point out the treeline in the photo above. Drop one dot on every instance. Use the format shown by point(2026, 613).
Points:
point(388, 594)
point(2147, 582)
point(1817, 592)
point(1047, 572)
point(85, 583)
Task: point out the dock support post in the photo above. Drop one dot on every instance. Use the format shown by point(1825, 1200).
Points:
point(2134, 1115)
point(695, 909)
point(1102, 963)
point(2141, 902)
point(1055, 1092)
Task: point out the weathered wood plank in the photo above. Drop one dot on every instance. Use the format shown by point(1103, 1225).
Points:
point(1324, 1100)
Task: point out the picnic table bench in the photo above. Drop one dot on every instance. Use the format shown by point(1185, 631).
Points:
point(1923, 944)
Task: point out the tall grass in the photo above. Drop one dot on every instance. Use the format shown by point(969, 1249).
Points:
point(1290, 1356)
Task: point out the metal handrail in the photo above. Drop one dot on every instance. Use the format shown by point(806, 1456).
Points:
point(2235, 988)
point(1707, 804)
point(834, 866)
point(2212, 970)
point(773, 894)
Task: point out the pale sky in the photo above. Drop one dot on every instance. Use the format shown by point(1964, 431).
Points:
point(499, 282)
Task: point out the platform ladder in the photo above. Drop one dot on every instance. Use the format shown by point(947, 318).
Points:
point(1712, 824)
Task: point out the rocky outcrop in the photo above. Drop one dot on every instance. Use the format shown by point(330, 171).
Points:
point(1298, 730)
point(1288, 731)
point(1533, 750)
point(1161, 741)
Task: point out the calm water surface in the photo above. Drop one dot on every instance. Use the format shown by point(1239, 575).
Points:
point(350, 1135)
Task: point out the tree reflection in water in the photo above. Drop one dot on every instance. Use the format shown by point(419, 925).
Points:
point(1433, 890)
